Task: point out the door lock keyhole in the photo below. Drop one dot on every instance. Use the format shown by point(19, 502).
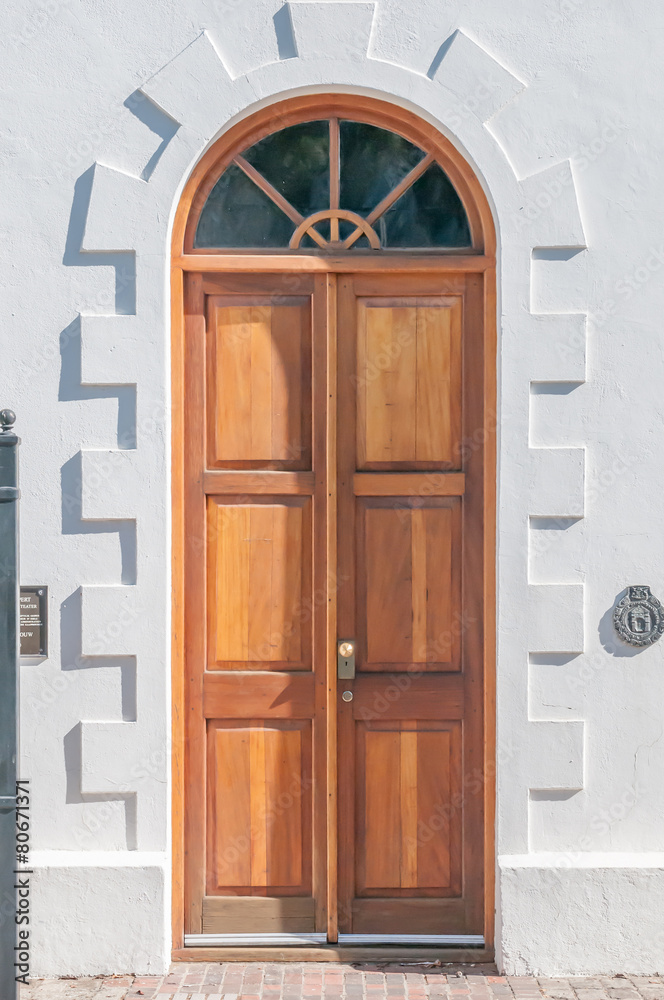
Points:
point(346, 659)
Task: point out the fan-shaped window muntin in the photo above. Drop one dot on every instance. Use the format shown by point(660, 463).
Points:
point(333, 185)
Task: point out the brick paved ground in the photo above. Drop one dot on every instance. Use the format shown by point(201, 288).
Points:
point(235, 981)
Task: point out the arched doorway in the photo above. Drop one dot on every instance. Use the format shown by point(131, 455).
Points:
point(334, 470)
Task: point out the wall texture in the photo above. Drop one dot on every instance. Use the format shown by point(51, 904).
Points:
point(110, 105)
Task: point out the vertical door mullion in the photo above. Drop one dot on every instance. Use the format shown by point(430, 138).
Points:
point(331, 617)
point(347, 623)
point(324, 609)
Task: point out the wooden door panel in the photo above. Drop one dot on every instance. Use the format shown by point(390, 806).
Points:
point(392, 915)
point(388, 588)
point(244, 915)
point(410, 484)
point(259, 582)
point(410, 695)
point(409, 567)
point(408, 382)
point(237, 695)
point(256, 710)
point(259, 382)
point(411, 531)
point(408, 813)
point(259, 804)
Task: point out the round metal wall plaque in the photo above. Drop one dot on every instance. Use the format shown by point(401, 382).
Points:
point(639, 618)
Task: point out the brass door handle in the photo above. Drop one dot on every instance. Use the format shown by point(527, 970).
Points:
point(346, 659)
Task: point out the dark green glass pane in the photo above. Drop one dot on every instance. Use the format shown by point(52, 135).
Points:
point(373, 161)
point(296, 161)
point(323, 229)
point(345, 230)
point(428, 214)
point(238, 214)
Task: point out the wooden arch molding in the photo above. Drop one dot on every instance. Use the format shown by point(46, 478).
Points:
point(477, 264)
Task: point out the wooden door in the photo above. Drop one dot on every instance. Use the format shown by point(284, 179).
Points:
point(410, 542)
point(256, 631)
point(328, 467)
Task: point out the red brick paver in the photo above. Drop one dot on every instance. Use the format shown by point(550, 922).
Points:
point(327, 981)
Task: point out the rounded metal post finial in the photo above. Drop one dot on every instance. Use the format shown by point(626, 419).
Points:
point(7, 419)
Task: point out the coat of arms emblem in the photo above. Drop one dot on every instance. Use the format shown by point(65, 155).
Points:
point(639, 617)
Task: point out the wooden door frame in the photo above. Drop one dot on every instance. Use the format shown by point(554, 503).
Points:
point(482, 261)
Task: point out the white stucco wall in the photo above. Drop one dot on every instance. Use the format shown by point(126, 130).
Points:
point(110, 105)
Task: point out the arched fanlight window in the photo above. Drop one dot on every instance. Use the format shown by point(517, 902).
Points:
point(333, 185)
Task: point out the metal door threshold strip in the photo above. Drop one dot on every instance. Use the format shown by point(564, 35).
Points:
point(454, 940)
point(256, 940)
point(240, 940)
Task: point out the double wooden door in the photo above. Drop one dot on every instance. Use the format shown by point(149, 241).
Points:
point(334, 434)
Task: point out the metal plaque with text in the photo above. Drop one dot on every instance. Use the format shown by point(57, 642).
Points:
point(34, 621)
